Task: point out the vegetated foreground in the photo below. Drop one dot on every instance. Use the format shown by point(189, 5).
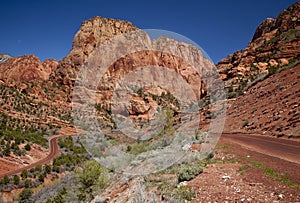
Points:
point(242, 170)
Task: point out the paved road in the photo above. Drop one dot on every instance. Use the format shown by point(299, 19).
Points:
point(277, 147)
point(281, 148)
point(54, 152)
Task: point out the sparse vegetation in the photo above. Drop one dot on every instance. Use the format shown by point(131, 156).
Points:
point(273, 69)
point(92, 178)
point(168, 181)
point(25, 196)
point(189, 172)
point(246, 123)
point(186, 193)
point(273, 174)
point(243, 169)
point(68, 161)
point(59, 198)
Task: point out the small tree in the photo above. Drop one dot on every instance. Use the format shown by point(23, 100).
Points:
point(27, 147)
point(41, 177)
point(25, 195)
point(38, 168)
point(24, 174)
point(48, 169)
point(27, 183)
point(92, 178)
point(6, 179)
point(16, 179)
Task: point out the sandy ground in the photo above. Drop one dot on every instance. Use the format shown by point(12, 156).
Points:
point(242, 172)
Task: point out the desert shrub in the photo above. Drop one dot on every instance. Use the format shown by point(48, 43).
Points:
point(137, 148)
point(59, 198)
point(41, 178)
point(25, 196)
point(27, 147)
point(246, 123)
point(48, 169)
point(91, 179)
point(273, 69)
point(6, 179)
point(38, 168)
point(27, 183)
point(186, 193)
point(16, 179)
point(189, 172)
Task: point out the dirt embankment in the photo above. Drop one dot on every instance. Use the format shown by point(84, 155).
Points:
point(270, 107)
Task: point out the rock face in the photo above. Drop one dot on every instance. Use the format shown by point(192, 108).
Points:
point(27, 68)
point(152, 67)
point(91, 33)
point(275, 43)
point(97, 30)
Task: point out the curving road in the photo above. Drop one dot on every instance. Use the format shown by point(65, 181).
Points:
point(277, 147)
point(287, 149)
point(54, 152)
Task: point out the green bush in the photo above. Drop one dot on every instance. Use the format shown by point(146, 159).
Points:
point(59, 198)
point(27, 183)
point(41, 178)
point(246, 123)
point(91, 179)
point(27, 147)
point(186, 193)
point(189, 172)
point(48, 169)
point(16, 179)
point(24, 174)
point(25, 196)
point(6, 179)
point(273, 69)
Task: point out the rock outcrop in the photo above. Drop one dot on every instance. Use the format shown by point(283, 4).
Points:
point(26, 68)
point(267, 102)
point(91, 34)
point(275, 43)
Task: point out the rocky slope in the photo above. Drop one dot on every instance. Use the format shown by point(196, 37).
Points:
point(274, 44)
point(268, 101)
point(270, 107)
point(27, 68)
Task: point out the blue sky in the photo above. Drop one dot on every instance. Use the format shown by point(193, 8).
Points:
point(46, 27)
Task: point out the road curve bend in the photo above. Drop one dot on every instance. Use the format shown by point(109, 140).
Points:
point(54, 152)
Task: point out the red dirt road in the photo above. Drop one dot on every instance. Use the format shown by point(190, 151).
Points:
point(54, 152)
point(285, 149)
